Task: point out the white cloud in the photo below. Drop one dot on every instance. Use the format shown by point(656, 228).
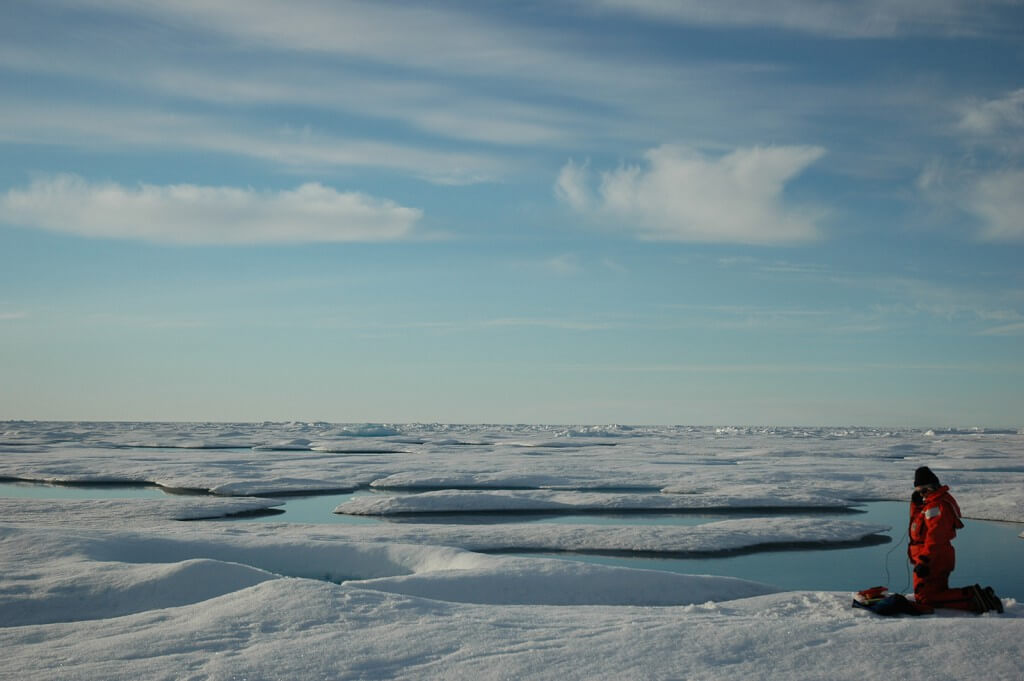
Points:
point(571, 186)
point(191, 214)
point(998, 199)
point(682, 195)
point(995, 115)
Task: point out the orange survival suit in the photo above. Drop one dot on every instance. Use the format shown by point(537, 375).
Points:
point(934, 520)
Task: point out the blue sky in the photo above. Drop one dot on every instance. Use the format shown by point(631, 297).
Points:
point(632, 211)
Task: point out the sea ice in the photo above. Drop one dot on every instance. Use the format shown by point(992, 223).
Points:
point(708, 538)
point(273, 628)
point(542, 500)
point(281, 486)
point(492, 480)
point(118, 512)
point(121, 589)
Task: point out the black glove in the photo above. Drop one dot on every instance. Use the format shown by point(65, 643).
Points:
point(916, 498)
point(922, 570)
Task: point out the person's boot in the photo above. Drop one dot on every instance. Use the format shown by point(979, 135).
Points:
point(979, 603)
point(991, 600)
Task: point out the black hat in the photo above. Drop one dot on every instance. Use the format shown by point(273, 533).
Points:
point(924, 476)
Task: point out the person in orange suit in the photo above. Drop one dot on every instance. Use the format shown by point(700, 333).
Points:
point(934, 520)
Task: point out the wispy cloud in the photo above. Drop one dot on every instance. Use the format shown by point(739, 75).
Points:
point(998, 199)
point(413, 50)
point(743, 318)
point(885, 304)
point(565, 264)
point(9, 316)
point(792, 369)
point(97, 127)
point(1016, 329)
point(572, 186)
point(683, 195)
point(401, 98)
point(459, 72)
point(548, 323)
point(191, 214)
point(470, 40)
point(614, 266)
point(833, 18)
point(994, 116)
point(141, 321)
point(907, 300)
point(986, 182)
point(375, 328)
point(995, 199)
point(774, 266)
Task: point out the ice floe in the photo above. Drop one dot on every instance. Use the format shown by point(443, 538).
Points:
point(281, 487)
point(707, 539)
point(115, 512)
point(469, 501)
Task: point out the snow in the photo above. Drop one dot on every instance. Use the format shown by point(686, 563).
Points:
point(262, 603)
point(107, 512)
point(711, 538)
point(295, 444)
point(345, 447)
point(862, 463)
point(281, 486)
point(143, 572)
point(306, 629)
point(474, 501)
point(456, 480)
point(123, 589)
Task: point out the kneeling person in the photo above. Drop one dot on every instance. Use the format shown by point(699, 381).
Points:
point(934, 520)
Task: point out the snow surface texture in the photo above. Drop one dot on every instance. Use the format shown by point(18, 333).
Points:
point(145, 572)
point(490, 502)
point(122, 589)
